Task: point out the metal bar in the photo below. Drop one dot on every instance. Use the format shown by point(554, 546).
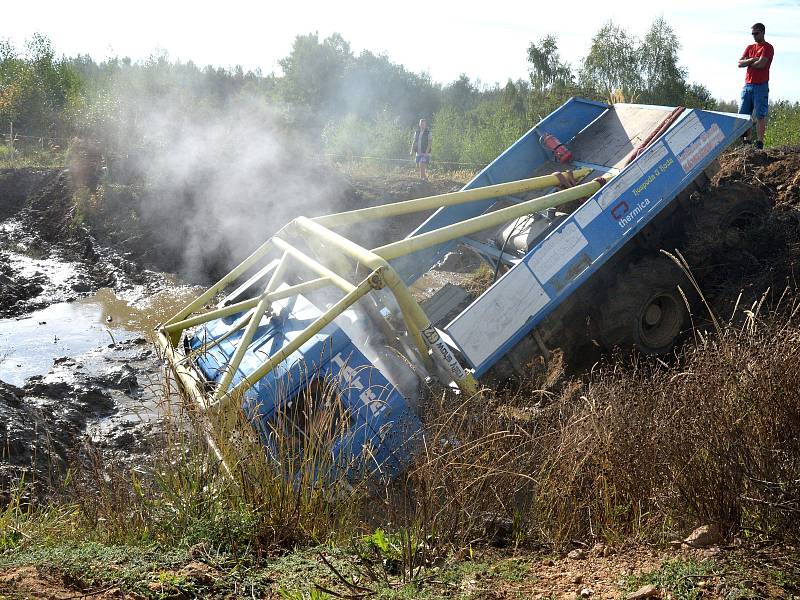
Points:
point(312, 264)
point(260, 274)
point(415, 317)
point(230, 369)
point(493, 219)
point(203, 298)
point(449, 199)
point(373, 281)
point(244, 305)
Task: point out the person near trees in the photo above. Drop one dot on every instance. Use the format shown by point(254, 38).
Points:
point(757, 59)
point(421, 148)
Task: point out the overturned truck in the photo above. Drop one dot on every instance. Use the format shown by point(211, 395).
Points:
point(571, 219)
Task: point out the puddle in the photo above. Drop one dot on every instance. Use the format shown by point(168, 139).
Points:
point(29, 345)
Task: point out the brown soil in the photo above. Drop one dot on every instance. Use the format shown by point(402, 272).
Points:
point(776, 170)
point(601, 573)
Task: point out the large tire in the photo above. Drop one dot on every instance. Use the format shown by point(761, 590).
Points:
point(644, 309)
point(724, 221)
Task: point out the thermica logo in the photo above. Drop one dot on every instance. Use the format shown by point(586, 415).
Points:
point(624, 216)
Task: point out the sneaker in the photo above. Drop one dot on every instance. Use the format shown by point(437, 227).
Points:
point(759, 145)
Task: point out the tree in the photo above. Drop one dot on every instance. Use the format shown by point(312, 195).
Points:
point(664, 82)
point(612, 67)
point(548, 73)
point(313, 71)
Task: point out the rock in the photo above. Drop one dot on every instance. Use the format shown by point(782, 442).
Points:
point(586, 592)
point(497, 529)
point(577, 580)
point(646, 591)
point(577, 554)
point(548, 562)
point(704, 537)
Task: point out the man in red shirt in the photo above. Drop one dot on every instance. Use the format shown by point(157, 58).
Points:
point(755, 96)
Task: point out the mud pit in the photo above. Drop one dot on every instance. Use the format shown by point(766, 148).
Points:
point(79, 297)
point(80, 294)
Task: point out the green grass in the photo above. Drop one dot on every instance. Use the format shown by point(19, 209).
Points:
point(19, 157)
point(783, 126)
point(682, 578)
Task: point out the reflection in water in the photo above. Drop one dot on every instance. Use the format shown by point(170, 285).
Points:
point(29, 345)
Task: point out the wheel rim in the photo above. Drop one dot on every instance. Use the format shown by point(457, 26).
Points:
point(660, 322)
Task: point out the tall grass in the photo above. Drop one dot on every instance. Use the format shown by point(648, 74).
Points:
point(638, 448)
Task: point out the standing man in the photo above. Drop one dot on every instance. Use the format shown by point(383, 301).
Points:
point(755, 96)
point(422, 147)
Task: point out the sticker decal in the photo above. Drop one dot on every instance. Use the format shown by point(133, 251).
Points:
point(497, 315)
point(701, 148)
point(684, 133)
point(556, 251)
point(652, 157)
point(587, 213)
point(617, 186)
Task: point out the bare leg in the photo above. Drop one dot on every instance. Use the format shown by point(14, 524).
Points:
point(761, 129)
point(422, 174)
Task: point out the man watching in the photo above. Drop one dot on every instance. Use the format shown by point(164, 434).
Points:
point(757, 58)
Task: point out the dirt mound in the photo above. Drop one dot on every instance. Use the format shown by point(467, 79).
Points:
point(776, 170)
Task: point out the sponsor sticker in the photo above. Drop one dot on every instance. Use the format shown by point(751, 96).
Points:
point(700, 148)
point(587, 213)
point(684, 133)
point(556, 251)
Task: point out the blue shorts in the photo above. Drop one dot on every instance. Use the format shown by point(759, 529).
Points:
point(755, 96)
point(423, 158)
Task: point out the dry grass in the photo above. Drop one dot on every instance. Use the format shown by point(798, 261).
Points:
point(638, 449)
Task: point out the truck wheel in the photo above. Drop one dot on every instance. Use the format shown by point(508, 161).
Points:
point(723, 221)
point(643, 309)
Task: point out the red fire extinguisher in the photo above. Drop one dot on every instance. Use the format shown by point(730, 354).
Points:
point(559, 150)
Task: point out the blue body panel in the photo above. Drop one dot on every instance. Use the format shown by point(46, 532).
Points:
point(579, 246)
point(381, 421)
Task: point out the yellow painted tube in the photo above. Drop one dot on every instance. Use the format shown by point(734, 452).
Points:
point(334, 311)
point(312, 264)
point(300, 288)
point(203, 298)
point(492, 219)
point(449, 199)
point(252, 326)
point(415, 317)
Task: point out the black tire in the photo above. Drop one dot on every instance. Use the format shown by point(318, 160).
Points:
point(723, 221)
point(644, 309)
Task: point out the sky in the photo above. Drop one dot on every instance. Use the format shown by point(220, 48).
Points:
point(487, 41)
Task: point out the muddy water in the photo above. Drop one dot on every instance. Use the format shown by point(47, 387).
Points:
point(29, 345)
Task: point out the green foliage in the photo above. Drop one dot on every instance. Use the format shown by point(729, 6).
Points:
point(353, 137)
point(619, 66)
point(783, 126)
point(679, 577)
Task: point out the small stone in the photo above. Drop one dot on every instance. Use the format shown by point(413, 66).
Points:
point(704, 537)
point(577, 580)
point(548, 562)
point(577, 554)
point(586, 592)
point(646, 591)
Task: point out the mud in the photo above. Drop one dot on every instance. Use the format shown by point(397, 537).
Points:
point(82, 286)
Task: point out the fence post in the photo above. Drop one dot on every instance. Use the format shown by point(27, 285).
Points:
point(11, 133)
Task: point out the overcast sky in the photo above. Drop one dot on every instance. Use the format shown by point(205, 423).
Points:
point(485, 40)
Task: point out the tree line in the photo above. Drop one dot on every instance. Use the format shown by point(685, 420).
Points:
point(347, 104)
